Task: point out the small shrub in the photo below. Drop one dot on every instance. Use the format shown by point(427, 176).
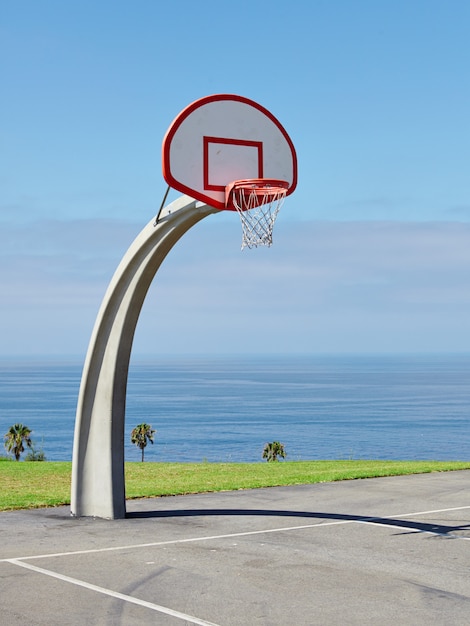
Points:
point(273, 450)
point(35, 455)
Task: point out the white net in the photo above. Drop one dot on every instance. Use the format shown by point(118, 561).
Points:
point(257, 205)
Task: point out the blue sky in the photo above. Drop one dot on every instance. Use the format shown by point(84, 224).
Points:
point(372, 251)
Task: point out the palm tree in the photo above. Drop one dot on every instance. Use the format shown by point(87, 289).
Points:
point(273, 450)
point(16, 437)
point(141, 434)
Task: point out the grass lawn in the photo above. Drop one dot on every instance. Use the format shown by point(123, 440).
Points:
point(41, 484)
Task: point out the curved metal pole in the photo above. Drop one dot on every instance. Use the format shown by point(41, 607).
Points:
point(98, 484)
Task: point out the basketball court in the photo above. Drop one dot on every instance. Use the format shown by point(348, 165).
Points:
point(388, 550)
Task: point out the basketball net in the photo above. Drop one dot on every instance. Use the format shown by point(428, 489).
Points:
point(257, 202)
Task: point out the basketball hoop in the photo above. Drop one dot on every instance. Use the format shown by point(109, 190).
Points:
point(257, 202)
point(217, 140)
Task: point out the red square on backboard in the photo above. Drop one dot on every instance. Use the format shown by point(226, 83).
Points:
point(226, 160)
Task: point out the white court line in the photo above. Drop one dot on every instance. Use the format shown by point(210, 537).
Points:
point(177, 541)
point(365, 520)
point(454, 508)
point(411, 530)
point(114, 594)
point(374, 521)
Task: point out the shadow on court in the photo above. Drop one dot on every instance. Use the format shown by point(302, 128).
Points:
point(437, 529)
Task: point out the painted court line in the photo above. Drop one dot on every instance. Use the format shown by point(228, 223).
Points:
point(114, 594)
point(374, 521)
point(365, 520)
point(177, 541)
point(412, 530)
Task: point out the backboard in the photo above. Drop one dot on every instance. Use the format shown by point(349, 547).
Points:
point(223, 138)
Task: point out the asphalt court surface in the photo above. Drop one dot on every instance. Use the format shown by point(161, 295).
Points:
point(388, 550)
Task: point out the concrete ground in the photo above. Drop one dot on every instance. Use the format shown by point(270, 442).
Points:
point(376, 551)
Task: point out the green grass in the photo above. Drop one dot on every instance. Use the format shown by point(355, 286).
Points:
point(32, 485)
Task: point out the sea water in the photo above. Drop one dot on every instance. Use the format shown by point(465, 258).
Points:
point(225, 409)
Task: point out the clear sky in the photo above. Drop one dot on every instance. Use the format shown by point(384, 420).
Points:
point(372, 251)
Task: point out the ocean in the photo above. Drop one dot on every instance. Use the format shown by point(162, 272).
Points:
point(225, 409)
